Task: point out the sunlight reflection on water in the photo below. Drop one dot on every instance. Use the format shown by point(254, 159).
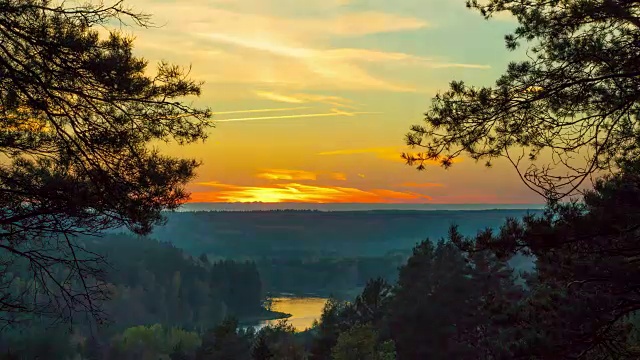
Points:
point(303, 311)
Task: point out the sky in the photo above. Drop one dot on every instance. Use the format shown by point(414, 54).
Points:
point(312, 98)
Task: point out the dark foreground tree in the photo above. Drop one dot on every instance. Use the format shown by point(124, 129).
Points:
point(79, 113)
point(226, 342)
point(361, 342)
point(585, 291)
point(448, 307)
point(260, 349)
point(567, 112)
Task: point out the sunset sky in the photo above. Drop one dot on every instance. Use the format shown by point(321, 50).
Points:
point(312, 98)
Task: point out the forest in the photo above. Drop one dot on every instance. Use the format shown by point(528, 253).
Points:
point(321, 253)
point(96, 264)
point(297, 234)
point(453, 297)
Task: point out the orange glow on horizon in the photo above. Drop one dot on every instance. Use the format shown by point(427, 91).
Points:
point(384, 153)
point(294, 192)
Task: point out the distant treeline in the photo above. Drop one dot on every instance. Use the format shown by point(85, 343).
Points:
point(339, 277)
point(300, 234)
point(316, 252)
point(157, 282)
point(150, 282)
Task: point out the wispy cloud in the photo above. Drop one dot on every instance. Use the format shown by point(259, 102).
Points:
point(292, 99)
point(301, 98)
point(364, 23)
point(295, 192)
point(338, 176)
point(421, 185)
point(288, 174)
point(321, 65)
point(280, 42)
point(285, 174)
point(260, 110)
point(369, 55)
point(386, 153)
point(445, 65)
point(334, 112)
point(373, 150)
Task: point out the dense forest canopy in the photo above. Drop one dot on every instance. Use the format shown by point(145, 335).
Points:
point(153, 282)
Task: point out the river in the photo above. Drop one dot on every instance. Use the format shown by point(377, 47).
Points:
point(303, 310)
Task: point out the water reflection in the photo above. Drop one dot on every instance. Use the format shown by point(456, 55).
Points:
point(303, 310)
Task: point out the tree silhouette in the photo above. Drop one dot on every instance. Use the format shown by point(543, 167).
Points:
point(357, 343)
point(261, 350)
point(79, 112)
point(370, 306)
point(567, 112)
point(585, 287)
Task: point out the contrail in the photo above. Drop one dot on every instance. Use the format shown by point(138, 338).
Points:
point(262, 110)
point(341, 113)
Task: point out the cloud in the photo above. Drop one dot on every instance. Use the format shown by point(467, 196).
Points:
point(278, 42)
point(334, 112)
point(357, 151)
point(260, 110)
point(365, 23)
point(301, 98)
point(421, 185)
point(320, 65)
point(284, 174)
point(295, 192)
point(280, 97)
point(386, 153)
point(445, 65)
point(369, 55)
point(287, 174)
point(338, 176)
point(290, 28)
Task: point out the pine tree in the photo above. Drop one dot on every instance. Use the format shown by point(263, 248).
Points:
point(574, 98)
point(78, 112)
point(261, 350)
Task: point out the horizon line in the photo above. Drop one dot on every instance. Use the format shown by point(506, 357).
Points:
point(328, 207)
point(352, 203)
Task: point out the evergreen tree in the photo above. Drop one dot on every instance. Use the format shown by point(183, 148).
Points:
point(357, 343)
point(430, 303)
point(224, 343)
point(574, 98)
point(78, 112)
point(449, 306)
point(178, 353)
point(261, 350)
point(584, 286)
point(332, 322)
point(372, 304)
